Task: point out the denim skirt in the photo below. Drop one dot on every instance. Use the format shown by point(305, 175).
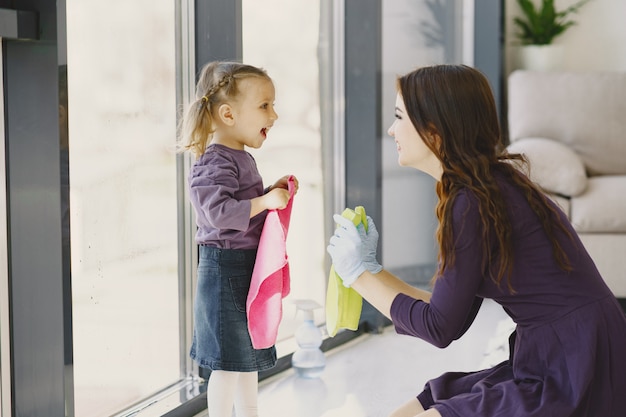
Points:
point(220, 339)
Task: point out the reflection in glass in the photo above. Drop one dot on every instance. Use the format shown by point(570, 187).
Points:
point(415, 33)
point(122, 177)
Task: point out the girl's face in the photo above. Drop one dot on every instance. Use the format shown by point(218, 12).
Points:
point(253, 114)
point(412, 151)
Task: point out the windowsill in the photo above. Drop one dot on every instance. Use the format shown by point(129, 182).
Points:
point(180, 396)
point(188, 397)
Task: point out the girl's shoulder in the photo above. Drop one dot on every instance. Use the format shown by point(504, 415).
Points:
point(214, 161)
point(219, 154)
point(219, 160)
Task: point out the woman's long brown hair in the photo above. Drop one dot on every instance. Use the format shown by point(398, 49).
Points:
point(453, 110)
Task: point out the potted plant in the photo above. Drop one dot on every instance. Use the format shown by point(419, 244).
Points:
point(537, 29)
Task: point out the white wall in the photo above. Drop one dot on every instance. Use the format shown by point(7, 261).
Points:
point(596, 43)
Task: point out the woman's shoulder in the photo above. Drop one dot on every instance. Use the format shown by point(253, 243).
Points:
point(463, 200)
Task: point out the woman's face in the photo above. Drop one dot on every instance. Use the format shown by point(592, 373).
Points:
point(412, 151)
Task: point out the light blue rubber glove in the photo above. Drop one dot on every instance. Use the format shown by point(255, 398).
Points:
point(369, 245)
point(345, 249)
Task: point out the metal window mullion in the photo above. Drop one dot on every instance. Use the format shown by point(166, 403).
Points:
point(489, 47)
point(339, 103)
point(18, 24)
point(34, 228)
point(187, 250)
point(363, 97)
point(217, 35)
point(467, 37)
point(5, 345)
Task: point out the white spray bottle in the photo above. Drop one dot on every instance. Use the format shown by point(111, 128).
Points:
point(308, 361)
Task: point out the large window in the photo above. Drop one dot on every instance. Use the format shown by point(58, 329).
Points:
point(127, 229)
point(122, 201)
point(125, 185)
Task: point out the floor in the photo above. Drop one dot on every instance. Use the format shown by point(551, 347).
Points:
point(374, 374)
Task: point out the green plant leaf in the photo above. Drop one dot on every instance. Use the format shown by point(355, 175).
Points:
point(540, 25)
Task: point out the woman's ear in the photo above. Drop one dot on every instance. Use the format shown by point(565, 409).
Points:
point(437, 142)
point(225, 114)
point(434, 137)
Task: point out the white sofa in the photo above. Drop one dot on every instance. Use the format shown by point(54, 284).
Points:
point(572, 128)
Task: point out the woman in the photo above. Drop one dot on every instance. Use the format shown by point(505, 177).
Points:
point(499, 238)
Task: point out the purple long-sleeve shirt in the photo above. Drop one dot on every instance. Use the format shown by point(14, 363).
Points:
point(567, 353)
point(222, 182)
point(544, 291)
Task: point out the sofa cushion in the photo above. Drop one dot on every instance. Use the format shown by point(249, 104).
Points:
point(602, 208)
point(563, 203)
point(554, 166)
point(583, 110)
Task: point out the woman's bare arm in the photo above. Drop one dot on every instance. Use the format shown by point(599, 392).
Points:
point(382, 288)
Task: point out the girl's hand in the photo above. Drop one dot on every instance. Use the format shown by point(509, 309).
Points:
point(276, 198)
point(284, 183)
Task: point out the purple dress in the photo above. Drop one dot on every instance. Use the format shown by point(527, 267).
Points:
point(568, 353)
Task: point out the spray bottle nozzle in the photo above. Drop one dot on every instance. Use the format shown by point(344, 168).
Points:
point(307, 307)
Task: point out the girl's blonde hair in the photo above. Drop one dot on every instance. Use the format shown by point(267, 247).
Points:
point(216, 85)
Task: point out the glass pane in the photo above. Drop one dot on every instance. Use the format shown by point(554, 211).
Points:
point(415, 33)
point(123, 202)
point(294, 143)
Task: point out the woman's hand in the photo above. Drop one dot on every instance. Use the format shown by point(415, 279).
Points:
point(369, 246)
point(345, 249)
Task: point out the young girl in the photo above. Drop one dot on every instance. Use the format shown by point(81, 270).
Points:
point(234, 108)
point(499, 238)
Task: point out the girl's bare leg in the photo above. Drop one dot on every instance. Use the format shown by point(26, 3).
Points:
point(246, 395)
point(430, 413)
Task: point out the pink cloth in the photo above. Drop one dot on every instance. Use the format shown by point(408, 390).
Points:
point(270, 277)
